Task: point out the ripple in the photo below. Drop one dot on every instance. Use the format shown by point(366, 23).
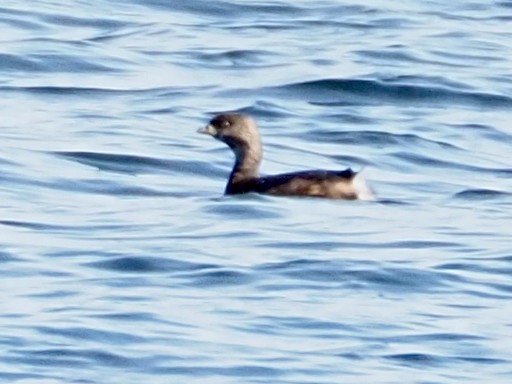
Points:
point(377, 138)
point(219, 8)
point(242, 371)
point(60, 228)
point(148, 264)
point(68, 63)
point(335, 273)
point(245, 208)
point(16, 63)
point(86, 333)
point(63, 91)
point(422, 359)
point(123, 163)
point(61, 20)
point(430, 161)
point(107, 187)
point(426, 359)
point(6, 257)
point(481, 194)
point(327, 92)
point(222, 277)
point(240, 59)
point(66, 357)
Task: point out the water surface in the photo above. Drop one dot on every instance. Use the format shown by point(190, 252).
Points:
point(122, 261)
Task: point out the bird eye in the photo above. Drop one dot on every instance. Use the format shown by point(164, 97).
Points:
point(225, 124)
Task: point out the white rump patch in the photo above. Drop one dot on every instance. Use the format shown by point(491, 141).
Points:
point(361, 187)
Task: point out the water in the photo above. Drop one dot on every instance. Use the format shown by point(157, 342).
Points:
point(121, 261)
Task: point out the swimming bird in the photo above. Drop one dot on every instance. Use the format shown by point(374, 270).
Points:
point(240, 133)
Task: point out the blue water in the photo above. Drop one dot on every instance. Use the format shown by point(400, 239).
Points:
point(121, 261)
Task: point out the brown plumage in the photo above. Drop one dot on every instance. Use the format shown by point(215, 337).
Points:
point(240, 133)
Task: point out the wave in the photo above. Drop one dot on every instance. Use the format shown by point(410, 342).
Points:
point(329, 92)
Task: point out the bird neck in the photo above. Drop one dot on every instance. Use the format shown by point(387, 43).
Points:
point(247, 161)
